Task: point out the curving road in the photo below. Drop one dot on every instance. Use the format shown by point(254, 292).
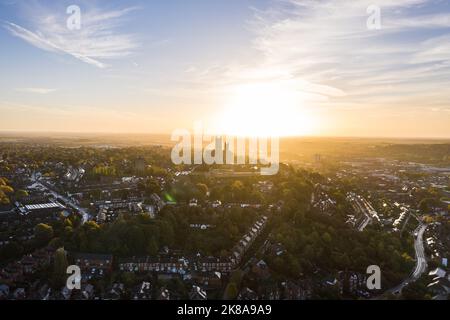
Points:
point(421, 264)
point(421, 261)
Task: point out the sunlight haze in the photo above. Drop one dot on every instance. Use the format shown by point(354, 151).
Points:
point(245, 67)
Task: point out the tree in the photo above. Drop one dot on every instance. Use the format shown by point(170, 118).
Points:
point(166, 234)
point(203, 189)
point(60, 265)
point(6, 189)
point(11, 250)
point(152, 186)
point(326, 238)
point(68, 223)
point(129, 278)
point(3, 182)
point(415, 291)
point(43, 232)
point(426, 203)
point(152, 248)
point(231, 291)
point(20, 194)
point(236, 190)
point(91, 226)
point(4, 198)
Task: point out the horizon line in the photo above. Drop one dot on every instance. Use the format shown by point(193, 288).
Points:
point(50, 132)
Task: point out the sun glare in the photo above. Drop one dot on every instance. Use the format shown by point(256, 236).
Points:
point(265, 109)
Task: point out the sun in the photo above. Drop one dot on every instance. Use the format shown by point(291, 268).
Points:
point(265, 109)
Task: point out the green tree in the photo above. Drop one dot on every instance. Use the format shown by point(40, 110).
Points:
point(3, 182)
point(4, 198)
point(20, 194)
point(231, 291)
point(60, 265)
point(6, 189)
point(129, 279)
point(43, 232)
point(203, 189)
point(326, 238)
point(152, 248)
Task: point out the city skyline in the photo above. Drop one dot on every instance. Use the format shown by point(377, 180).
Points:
point(289, 68)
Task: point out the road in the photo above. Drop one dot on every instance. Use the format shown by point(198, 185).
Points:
point(421, 261)
point(364, 224)
point(366, 221)
point(85, 214)
point(362, 206)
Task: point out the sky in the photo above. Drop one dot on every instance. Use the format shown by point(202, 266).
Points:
point(247, 67)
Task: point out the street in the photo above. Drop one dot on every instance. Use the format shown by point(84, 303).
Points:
point(85, 214)
point(421, 262)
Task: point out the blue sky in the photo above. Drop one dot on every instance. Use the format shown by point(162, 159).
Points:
point(153, 66)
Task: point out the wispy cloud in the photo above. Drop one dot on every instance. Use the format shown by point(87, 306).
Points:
point(327, 43)
point(96, 41)
point(36, 90)
point(323, 56)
